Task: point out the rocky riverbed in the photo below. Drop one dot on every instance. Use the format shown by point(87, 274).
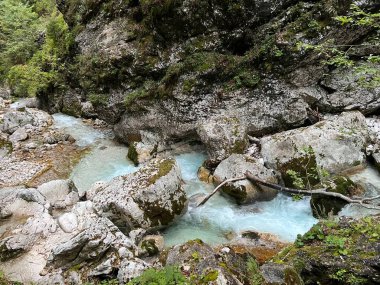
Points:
point(119, 118)
point(53, 232)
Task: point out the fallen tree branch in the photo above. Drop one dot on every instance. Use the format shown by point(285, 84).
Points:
point(218, 187)
point(323, 191)
point(365, 202)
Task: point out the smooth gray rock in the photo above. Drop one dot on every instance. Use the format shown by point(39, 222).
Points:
point(347, 93)
point(68, 222)
point(149, 198)
point(60, 193)
point(337, 143)
point(244, 191)
point(25, 236)
point(178, 116)
point(20, 202)
point(19, 135)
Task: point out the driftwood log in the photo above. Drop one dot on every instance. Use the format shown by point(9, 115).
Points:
point(364, 202)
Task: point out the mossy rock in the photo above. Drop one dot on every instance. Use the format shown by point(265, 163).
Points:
point(342, 252)
point(6, 145)
point(133, 154)
point(323, 205)
point(298, 165)
point(150, 247)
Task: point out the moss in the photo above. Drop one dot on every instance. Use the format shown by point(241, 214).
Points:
point(6, 145)
point(322, 205)
point(340, 246)
point(298, 165)
point(210, 276)
point(98, 99)
point(246, 78)
point(164, 168)
point(239, 146)
point(292, 277)
point(150, 247)
point(5, 281)
point(237, 192)
point(188, 85)
point(133, 154)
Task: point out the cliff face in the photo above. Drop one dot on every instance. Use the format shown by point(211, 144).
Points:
point(162, 67)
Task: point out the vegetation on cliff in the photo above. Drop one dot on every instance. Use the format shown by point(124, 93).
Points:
point(34, 41)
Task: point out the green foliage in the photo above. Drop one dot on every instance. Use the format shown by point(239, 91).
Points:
point(169, 275)
point(338, 55)
point(358, 17)
point(296, 178)
point(344, 276)
point(34, 42)
point(19, 29)
point(337, 243)
point(309, 173)
point(315, 233)
point(253, 271)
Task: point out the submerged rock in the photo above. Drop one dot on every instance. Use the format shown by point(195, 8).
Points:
point(333, 145)
point(152, 197)
point(244, 191)
point(322, 206)
point(222, 137)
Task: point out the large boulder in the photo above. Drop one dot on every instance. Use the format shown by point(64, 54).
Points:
point(20, 202)
point(244, 191)
point(19, 135)
point(78, 241)
point(334, 145)
point(222, 137)
point(149, 198)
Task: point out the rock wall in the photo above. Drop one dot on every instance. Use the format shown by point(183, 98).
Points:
point(164, 67)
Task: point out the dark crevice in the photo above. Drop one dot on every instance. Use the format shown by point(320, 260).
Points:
point(328, 89)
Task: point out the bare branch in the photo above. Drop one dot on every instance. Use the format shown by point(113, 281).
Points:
point(218, 187)
point(322, 191)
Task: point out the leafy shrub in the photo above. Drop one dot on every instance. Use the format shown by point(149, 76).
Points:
point(34, 41)
point(169, 275)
